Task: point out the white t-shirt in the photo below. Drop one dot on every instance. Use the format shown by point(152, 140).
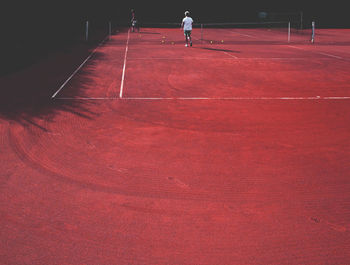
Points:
point(187, 22)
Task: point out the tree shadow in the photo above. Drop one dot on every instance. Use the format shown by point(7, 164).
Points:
point(26, 94)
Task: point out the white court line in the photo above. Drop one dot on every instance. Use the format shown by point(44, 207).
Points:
point(232, 56)
point(208, 98)
point(322, 53)
point(295, 47)
point(237, 98)
point(86, 98)
point(336, 97)
point(226, 58)
point(76, 70)
point(241, 34)
point(331, 55)
point(124, 66)
point(245, 35)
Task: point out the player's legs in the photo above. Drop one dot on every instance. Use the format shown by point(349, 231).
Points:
point(136, 27)
point(133, 26)
point(188, 37)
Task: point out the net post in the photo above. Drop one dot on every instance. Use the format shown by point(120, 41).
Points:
point(87, 30)
point(288, 31)
point(312, 31)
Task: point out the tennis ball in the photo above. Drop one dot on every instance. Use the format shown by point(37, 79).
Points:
point(211, 42)
point(222, 41)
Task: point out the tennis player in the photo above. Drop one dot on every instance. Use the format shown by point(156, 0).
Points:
point(134, 22)
point(134, 25)
point(187, 27)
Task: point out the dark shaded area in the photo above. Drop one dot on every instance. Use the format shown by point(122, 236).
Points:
point(219, 50)
point(26, 95)
point(33, 30)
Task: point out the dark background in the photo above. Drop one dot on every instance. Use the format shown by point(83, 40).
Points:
point(33, 28)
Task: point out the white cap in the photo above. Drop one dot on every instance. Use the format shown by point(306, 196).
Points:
point(187, 12)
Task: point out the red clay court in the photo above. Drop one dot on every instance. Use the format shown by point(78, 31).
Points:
point(233, 151)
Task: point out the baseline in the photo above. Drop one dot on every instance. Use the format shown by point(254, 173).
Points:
point(229, 58)
point(209, 98)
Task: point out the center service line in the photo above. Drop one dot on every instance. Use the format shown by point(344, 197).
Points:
point(124, 66)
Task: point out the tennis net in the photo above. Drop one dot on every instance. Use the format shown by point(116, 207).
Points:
point(269, 32)
point(248, 32)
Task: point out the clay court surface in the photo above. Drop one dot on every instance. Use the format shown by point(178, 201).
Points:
point(143, 151)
